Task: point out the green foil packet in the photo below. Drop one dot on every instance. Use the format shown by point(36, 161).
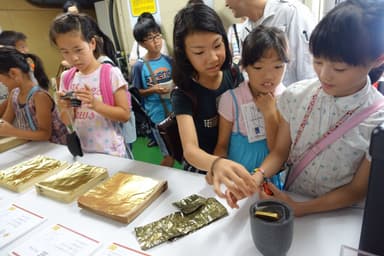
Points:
point(181, 223)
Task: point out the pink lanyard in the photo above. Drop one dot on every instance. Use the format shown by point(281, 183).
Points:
point(305, 121)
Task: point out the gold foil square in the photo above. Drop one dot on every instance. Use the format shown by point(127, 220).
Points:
point(25, 174)
point(123, 196)
point(71, 182)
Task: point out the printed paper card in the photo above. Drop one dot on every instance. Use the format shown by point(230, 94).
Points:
point(116, 249)
point(16, 221)
point(58, 240)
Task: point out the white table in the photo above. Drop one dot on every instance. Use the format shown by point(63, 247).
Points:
point(318, 234)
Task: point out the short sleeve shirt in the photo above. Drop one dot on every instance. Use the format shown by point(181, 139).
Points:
point(203, 109)
point(97, 133)
point(336, 165)
point(162, 70)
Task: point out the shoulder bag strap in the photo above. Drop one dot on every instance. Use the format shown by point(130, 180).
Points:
point(166, 110)
point(332, 137)
point(236, 36)
point(236, 117)
point(27, 111)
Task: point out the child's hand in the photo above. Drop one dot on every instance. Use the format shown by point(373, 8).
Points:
point(5, 128)
point(265, 102)
point(232, 175)
point(232, 199)
point(86, 97)
point(160, 90)
point(61, 102)
point(165, 90)
point(281, 196)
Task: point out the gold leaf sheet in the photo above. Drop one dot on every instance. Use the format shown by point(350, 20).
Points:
point(22, 175)
point(179, 224)
point(123, 196)
point(7, 143)
point(72, 181)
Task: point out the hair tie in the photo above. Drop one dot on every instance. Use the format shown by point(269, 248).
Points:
point(31, 63)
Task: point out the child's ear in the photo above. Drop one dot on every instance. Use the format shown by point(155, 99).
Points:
point(14, 72)
point(93, 43)
point(141, 44)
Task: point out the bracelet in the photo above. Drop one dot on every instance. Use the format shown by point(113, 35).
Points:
point(260, 170)
point(214, 163)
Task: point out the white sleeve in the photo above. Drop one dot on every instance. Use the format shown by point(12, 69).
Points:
point(164, 48)
point(300, 29)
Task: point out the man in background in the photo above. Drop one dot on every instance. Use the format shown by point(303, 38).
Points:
point(291, 16)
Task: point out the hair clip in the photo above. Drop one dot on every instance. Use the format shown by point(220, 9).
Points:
point(31, 63)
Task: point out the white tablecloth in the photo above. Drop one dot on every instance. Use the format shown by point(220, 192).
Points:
point(317, 234)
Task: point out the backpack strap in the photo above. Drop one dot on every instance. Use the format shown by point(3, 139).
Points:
point(27, 111)
point(68, 77)
point(106, 84)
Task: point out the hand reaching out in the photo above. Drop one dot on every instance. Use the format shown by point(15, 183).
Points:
point(234, 176)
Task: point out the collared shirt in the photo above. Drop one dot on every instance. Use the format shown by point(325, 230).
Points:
point(296, 20)
point(337, 164)
point(243, 96)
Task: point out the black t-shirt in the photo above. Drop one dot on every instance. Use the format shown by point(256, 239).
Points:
point(204, 108)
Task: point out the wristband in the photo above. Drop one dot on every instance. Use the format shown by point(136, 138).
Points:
point(262, 171)
point(213, 164)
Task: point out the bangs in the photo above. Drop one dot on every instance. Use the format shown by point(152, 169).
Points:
point(333, 39)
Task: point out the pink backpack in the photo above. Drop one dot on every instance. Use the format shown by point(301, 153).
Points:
point(105, 83)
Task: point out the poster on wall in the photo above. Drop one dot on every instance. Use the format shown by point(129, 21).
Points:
point(137, 7)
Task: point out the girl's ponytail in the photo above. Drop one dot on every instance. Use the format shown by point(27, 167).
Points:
point(36, 66)
point(104, 43)
point(28, 63)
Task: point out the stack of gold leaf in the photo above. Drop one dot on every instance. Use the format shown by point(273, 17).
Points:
point(10, 142)
point(123, 196)
point(23, 175)
point(195, 213)
point(71, 182)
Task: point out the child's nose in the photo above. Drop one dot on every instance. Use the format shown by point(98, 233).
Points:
point(74, 57)
point(213, 56)
point(325, 74)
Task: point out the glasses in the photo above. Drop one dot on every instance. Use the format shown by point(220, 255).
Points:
point(153, 38)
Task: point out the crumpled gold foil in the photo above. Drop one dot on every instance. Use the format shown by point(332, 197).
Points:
point(19, 175)
point(71, 181)
point(72, 177)
point(179, 224)
point(123, 196)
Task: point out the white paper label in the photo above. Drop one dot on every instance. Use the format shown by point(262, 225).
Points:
point(16, 221)
point(58, 240)
point(254, 122)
